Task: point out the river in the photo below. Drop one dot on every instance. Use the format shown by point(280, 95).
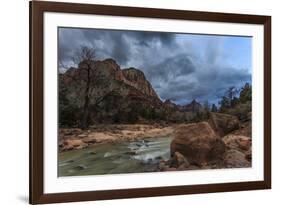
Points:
point(123, 157)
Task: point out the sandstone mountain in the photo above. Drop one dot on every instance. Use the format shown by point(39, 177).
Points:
point(115, 95)
point(107, 76)
point(169, 104)
point(194, 106)
point(136, 79)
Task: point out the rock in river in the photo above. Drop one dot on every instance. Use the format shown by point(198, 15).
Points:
point(198, 143)
point(80, 167)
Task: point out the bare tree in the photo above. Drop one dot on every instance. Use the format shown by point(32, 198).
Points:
point(94, 88)
point(85, 57)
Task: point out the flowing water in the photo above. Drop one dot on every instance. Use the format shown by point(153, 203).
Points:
point(124, 157)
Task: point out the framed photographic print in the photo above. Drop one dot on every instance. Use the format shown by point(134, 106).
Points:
point(138, 102)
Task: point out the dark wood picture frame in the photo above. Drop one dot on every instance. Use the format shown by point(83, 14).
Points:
point(37, 8)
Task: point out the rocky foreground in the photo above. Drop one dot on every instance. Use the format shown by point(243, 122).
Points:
point(220, 142)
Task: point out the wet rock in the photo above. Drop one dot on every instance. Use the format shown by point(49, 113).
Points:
point(198, 143)
point(69, 161)
point(107, 154)
point(223, 123)
point(158, 158)
point(92, 153)
point(130, 153)
point(80, 167)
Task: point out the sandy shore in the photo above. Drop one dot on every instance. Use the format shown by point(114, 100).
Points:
point(74, 138)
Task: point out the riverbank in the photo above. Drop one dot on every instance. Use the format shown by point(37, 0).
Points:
point(220, 142)
point(75, 139)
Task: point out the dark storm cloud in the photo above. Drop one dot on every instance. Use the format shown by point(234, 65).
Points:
point(121, 49)
point(203, 86)
point(171, 77)
point(171, 68)
point(179, 67)
point(146, 37)
point(109, 44)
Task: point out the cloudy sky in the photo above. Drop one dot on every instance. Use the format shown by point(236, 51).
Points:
point(180, 67)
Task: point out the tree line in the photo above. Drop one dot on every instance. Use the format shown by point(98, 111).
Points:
point(235, 101)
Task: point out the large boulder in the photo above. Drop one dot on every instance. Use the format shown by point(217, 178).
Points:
point(223, 123)
point(198, 143)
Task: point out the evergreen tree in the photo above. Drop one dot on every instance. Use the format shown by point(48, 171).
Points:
point(214, 108)
point(246, 93)
point(207, 106)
